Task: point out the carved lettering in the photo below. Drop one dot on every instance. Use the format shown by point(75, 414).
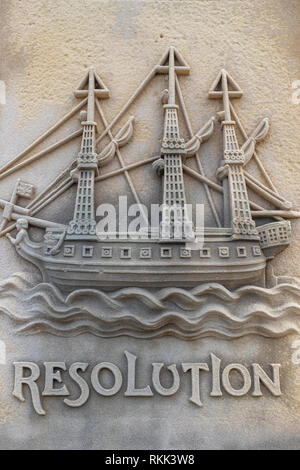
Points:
point(107, 392)
point(246, 379)
point(30, 380)
point(235, 379)
point(195, 375)
point(132, 391)
point(260, 376)
point(84, 388)
point(51, 377)
point(166, 392)
point(216, 380)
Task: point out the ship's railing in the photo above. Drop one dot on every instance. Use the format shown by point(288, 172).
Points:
point(275, 233)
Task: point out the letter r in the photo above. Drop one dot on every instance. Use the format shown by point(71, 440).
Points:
point(20, 380)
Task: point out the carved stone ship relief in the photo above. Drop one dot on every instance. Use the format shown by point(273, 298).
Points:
point(158, 281)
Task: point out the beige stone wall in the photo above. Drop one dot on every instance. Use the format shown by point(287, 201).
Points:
point(47, 46)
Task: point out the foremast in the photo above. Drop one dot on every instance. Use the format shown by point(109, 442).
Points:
point(83, 222)
point(237, 212)
point(175, 223)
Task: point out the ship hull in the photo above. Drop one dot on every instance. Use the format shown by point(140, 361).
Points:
point(68, 278)
point(114, 264)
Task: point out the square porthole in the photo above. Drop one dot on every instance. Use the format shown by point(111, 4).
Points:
point(87, 251)
point(256, 250)
point(125, 253)
point(145, 253)
point(69, 250)
point(185, 252)
point(205, 253)
point(241, 252)
point(223, 251)
point(106, 252)
point(166, 252)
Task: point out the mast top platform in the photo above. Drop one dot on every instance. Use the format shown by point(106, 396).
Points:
point(172, 57)
point(224, 84)
point(92, 82)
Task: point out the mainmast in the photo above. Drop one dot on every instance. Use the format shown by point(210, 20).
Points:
point(83, 222)
point(175, 224)
point(237, 213)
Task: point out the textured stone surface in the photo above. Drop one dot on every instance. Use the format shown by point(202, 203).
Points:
point(46, 51)
point(46, 48)
point(156, 422)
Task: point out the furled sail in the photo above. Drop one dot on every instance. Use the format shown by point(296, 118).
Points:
point(121, 139)
point(193, 145)
point(259, 134)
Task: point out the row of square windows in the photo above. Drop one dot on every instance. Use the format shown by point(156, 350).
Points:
point(165, 252)
point(236, 172)
point(83, 199)
point(242, 213)
point(173, 167)
point(172, 186)
point(170, 195)
point(241, 204)
point(274, 234)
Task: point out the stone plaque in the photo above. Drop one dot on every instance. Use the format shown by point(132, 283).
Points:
point(150, 291)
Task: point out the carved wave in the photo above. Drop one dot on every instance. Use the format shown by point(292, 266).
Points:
point(207, 310)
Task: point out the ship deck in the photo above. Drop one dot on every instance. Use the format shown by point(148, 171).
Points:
point(148, 263)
